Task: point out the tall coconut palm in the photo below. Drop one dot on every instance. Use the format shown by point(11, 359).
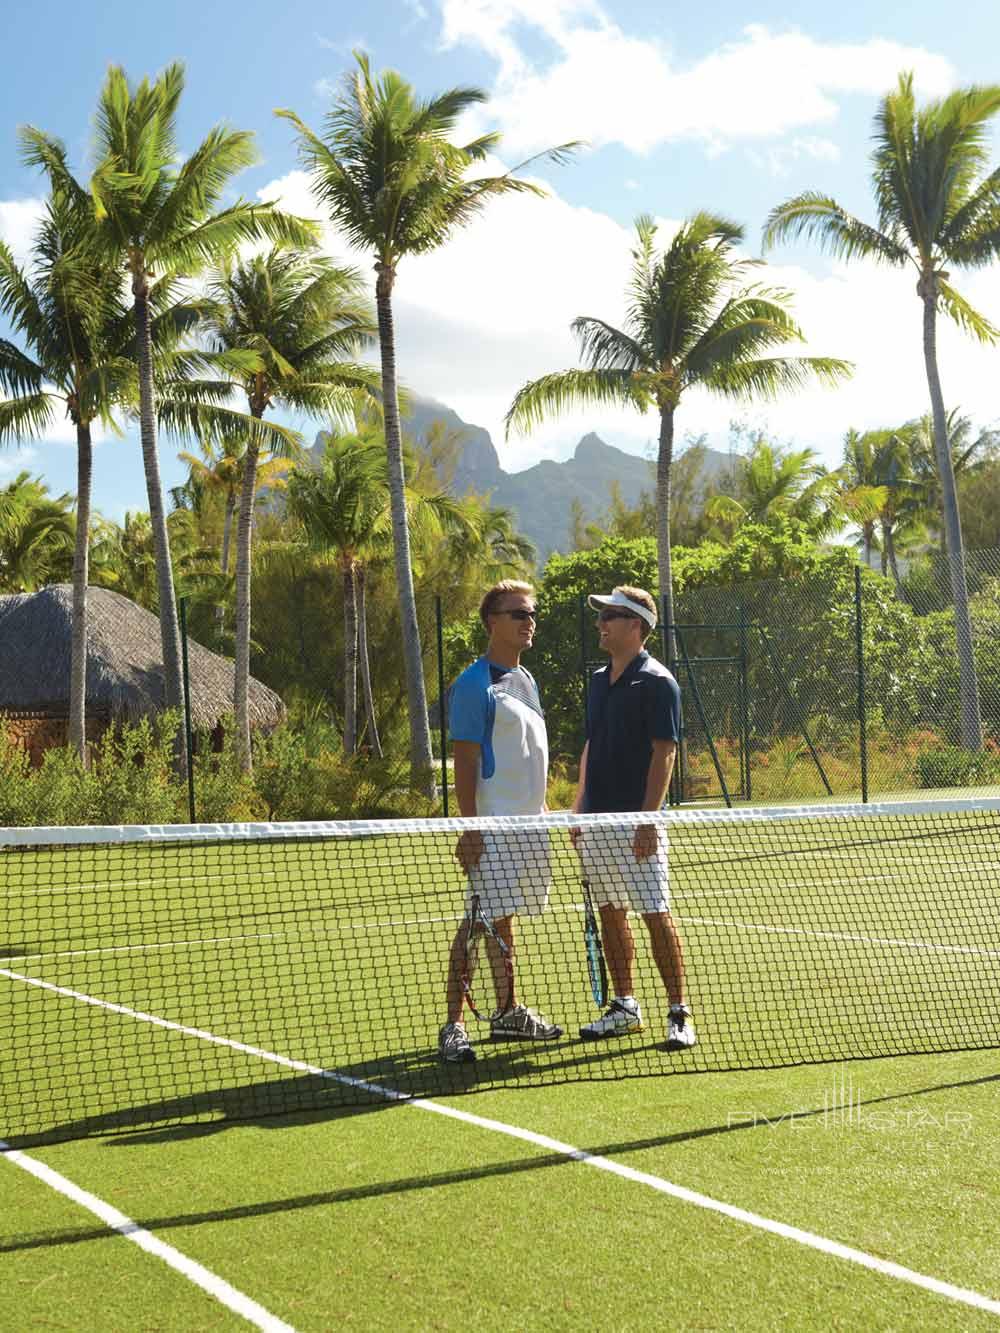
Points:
point(157, 218)
point(937, 207)
point(389, 176)
point(67, 313)
point(690, 322)
point(298, 320)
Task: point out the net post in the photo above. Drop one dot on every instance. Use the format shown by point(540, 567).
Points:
point(862, 711)
point(744, 707)
point(675, 792)
point(581, 607)
point(188, 743)
point(442, 722)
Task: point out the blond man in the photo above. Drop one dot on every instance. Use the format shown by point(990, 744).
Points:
point(501, 766)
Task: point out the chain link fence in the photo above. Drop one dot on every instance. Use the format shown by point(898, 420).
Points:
point(843, 683)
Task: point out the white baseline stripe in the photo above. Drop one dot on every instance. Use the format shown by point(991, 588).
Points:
point(843, 935)
point(215, 1286)
point(963, 1295)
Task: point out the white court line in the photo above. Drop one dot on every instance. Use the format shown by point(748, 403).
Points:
point(321, 932)
point(844, 935)
point(810, 1239)
point(216, 1287)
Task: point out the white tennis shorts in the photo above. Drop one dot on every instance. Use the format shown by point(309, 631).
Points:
point(513, 875)
point(616, 878)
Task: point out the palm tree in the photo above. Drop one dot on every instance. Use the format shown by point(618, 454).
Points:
point(341, 504)
point(968, 452)
point(862, 497)
point(219, 473)
point(779, 481)
point(297, 320)
point(936, 208)
point(36, 535)
point(392, 180)
point(67, 312)
point(690, 322)
point(157, 220)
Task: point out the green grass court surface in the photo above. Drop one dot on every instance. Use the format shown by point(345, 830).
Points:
point(382, 1214)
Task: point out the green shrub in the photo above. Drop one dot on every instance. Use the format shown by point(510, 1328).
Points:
point(952, 766)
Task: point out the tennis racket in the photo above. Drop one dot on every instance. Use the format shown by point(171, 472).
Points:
point(595, 949)
point(477, 924)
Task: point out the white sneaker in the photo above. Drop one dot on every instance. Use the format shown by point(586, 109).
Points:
point(680, 1029)
point(454, 1046)
point(621, 1017)
point(523, 1024)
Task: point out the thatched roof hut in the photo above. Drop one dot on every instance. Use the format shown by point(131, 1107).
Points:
point(124, 662)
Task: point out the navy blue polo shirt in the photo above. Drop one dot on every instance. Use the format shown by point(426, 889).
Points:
point(623, 720)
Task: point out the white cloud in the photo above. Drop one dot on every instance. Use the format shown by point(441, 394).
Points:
point(779, 158)
point(491, 310)
point(608, 86)
point(18, 220)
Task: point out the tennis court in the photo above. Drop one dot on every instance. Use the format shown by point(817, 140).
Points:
point(219, 1038)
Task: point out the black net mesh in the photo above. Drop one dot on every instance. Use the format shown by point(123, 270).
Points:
point(163, 976)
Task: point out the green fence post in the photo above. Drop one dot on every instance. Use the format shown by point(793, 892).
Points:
point(862, 710)
point(442, 721)
point(188, 741)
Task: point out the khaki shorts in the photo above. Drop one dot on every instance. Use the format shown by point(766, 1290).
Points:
point(514, 874)
point(616, 878)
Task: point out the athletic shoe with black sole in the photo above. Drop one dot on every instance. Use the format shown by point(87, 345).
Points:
point(522, 1024)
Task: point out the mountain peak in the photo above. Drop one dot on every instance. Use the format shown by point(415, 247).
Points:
point(589, 447)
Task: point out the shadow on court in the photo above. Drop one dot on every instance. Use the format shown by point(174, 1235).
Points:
point(371, 1085)
point(406, 1184)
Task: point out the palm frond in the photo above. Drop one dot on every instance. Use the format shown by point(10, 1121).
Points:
point(814, 216)
point(966, 316)
point(552, 394)
point(26, 417)
point(770, 376)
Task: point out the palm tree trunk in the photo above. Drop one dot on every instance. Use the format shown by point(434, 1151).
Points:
point(882, 555)
point(366, 670)
point(350, 660)
point(890, 553)
point(244, 551)
point(421, 758)
point(227, 534)
point(170, 634)
point(971, 721)
point(664, 463)
point(81, 570)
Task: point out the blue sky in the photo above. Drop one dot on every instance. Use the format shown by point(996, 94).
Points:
point(689, 107)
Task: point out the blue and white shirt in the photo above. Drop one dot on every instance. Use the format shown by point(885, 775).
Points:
point(499, 708)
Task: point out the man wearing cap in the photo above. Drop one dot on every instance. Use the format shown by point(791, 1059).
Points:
point(633, 726)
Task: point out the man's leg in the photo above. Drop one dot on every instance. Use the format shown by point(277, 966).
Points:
point(456, 966)
point(454, 1046)
point(668, 953)
point(619, 947)
point(504, 927)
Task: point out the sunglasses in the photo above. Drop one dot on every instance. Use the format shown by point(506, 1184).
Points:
point(519, 614)
point(604, 616)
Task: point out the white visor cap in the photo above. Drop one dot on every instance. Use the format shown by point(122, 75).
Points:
point(626, 604)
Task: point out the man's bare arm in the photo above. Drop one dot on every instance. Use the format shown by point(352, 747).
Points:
point(466, 757)
point(661, 765)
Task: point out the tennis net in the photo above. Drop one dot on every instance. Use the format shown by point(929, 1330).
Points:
point(157, 976)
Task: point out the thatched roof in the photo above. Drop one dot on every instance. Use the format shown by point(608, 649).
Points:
point(124, 661)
